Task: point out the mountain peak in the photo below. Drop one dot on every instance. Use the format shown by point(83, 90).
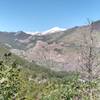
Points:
point(53, 30)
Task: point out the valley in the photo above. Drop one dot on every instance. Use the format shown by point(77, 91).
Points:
point(58, 50)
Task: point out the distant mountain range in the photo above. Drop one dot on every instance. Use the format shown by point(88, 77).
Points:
point(52, 30)
point(55, 48)
point(20, 39)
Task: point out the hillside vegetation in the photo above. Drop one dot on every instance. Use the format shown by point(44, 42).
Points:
point(21, 80)
point(36, 83)
point(78, 78)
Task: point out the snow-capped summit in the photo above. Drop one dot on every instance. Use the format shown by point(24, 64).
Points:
point(53, 30)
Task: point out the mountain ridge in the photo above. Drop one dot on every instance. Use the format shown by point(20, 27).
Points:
point(58, 51)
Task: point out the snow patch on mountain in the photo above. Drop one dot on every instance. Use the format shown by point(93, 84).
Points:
point(52, 30)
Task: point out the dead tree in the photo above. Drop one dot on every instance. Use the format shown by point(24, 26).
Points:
point(89, 60)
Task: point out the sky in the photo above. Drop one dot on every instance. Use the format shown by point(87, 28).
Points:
point(41, 15)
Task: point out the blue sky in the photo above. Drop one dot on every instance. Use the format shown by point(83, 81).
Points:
point(41, 15)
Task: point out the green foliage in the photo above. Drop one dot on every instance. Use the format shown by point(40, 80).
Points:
point(21, 80)
point(9, 78)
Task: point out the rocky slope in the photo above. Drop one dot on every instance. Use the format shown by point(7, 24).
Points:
point(57, 51)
